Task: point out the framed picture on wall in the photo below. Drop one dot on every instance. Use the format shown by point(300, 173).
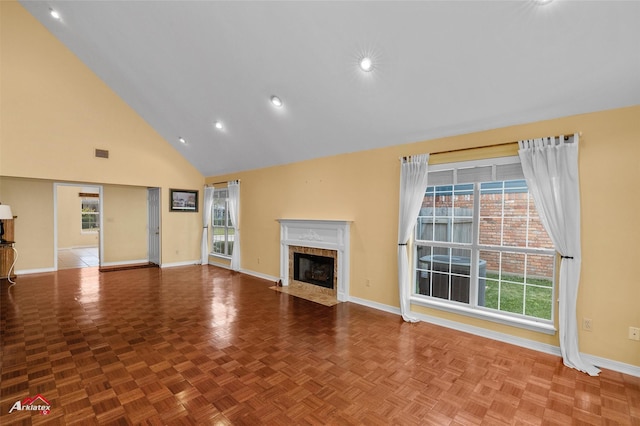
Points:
point(183, 200)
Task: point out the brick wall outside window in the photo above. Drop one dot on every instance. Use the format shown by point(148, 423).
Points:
point(514, 225)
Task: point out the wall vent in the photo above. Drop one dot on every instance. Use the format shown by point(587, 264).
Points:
point(102, 153)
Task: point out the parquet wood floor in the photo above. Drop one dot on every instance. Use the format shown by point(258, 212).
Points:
point(201, 345)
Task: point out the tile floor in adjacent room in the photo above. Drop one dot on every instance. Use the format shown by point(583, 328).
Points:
point(200, 345)
point(78, 257)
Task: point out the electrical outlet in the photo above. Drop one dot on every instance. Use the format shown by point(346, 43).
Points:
point(634, 333)
point(587, 324)
point(367, 282)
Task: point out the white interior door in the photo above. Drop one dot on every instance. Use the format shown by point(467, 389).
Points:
point(154, 225)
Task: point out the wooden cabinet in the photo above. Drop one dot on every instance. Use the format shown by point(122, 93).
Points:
point(7, 254)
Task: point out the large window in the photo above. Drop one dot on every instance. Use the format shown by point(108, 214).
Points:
point(480, 245)
point(90, 212)
point(223, 231)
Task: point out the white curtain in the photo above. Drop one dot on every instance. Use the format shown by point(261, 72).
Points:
point(550, 167)
point(413, 183)
point(234, 214)
point(206, 219)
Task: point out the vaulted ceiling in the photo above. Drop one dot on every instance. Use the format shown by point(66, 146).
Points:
point(440, 68)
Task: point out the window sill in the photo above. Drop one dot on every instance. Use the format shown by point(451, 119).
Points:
point(527, 324)
point(220, 256)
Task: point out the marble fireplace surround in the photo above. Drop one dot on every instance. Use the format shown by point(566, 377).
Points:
point(318, 234)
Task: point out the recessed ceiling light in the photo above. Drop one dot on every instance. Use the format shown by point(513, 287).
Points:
point(54, 14)
point(182, 140)
point(366, 64)
point(543, 2)
point(276, 101)
point(218, 125)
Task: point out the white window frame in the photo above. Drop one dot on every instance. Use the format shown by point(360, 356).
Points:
point(485, 167)
point(226, 227)
point(89, 196)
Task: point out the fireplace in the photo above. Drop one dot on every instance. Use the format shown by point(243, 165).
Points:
point(313, 269)
point(315, 253)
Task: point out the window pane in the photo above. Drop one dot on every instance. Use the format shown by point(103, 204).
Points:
point(422, 274)
point(511, 297)
point(519, 283)
point(425, 226)
point(491, 293)
point(90, 218)
point(462, 230)
point(538, 301)
point(490, 230)
point(508, 216)
point(446, 214)
point(516, 203)
point(223, 231)
point(540, 266)
point(90, 206)
point(219, 240)
point(491, 213)
point(512, 264)
point(462, 226)
point(498, 267)
point(539, 285)
point(538, 236)
point(514, 232)
point(219, 213)
point(90, 221)
point(444, 274)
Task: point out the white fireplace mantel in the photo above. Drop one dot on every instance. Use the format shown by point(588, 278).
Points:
point(322, 234)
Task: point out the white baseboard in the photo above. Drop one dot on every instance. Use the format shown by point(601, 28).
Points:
point(260, 275)
point(609, 364)
point(490, 334)
point(125, 262)
point(374, 305)
point(33, 271)
point(220, 265)
point(247, 272)
point(77, 247)
point(185, 263)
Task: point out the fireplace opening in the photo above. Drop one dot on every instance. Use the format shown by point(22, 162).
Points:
point(313, 269)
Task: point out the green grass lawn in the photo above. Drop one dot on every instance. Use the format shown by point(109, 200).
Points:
point(511, 290)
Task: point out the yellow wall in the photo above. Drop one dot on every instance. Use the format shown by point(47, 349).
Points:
point(32, 201)
point(364, 187)
point(125, 223)
point(69, 205)
point(56, 112)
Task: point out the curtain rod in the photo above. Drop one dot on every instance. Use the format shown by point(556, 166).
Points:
point(224, 181)
point(566, 137)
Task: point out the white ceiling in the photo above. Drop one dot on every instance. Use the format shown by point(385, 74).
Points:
point(441, 68)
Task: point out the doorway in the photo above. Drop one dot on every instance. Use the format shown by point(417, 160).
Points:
point(78, 225)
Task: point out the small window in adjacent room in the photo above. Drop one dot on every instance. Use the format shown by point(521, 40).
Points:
point(480, 247)
point(90, 212)
point(223, 230)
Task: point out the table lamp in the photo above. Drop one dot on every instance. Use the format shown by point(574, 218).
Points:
point(5, 213)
